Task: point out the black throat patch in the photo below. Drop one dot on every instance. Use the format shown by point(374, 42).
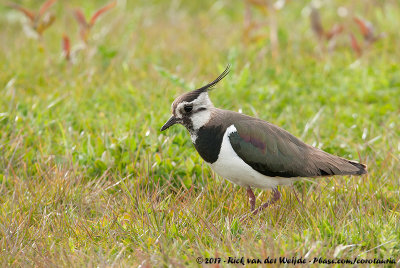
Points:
point(187, 122)
point(209, 141)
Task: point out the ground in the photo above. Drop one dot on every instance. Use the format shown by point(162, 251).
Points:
point(86, 177)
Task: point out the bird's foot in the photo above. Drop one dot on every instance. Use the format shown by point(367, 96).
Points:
point(276, 195)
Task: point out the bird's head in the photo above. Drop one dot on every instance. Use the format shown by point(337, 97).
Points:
point(192, 109)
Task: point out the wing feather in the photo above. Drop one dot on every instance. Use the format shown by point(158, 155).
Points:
point(275, 152)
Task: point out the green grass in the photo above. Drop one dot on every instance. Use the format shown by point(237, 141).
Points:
point(87, 178)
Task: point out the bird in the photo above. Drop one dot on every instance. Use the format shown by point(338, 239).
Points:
point(249, 151)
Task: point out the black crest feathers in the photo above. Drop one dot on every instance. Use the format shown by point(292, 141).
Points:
point(213, 83)
point(194, 94)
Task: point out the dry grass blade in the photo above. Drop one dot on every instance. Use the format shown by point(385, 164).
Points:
point(28, 13)
point(316, 24)
point(101, 11)
point(80, 17)
point(46, 6)
point(262, 5)
point(366, 28)
point(336, 29)
point(355, 45)
point(66, 47)
point(42, 25)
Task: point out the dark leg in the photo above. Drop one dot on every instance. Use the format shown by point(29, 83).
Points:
point(276, 195)
point(252, 199)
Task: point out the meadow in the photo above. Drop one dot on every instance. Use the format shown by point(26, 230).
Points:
point(88, 179)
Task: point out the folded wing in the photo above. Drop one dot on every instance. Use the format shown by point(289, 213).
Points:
point(275, 152)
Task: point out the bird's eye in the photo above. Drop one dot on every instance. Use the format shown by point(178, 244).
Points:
point(188, 108)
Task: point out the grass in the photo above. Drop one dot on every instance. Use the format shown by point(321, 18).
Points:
point(86, 178)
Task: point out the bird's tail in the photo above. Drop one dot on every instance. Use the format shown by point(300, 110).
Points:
point(330, 165)
point(362, 169)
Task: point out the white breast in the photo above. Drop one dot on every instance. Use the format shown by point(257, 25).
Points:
point(231, 167)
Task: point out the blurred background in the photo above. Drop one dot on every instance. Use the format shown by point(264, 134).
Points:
point(86, 85)
point(293, 61)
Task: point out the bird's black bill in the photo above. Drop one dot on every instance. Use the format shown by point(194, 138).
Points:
point(171, 121)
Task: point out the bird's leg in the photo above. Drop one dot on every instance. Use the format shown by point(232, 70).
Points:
point(252, 199)
point(275, 197)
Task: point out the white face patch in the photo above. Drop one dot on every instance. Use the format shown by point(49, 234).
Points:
point(198, 118)
point(201, 118)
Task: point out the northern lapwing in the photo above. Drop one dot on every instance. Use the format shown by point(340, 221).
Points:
point(251, 152)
